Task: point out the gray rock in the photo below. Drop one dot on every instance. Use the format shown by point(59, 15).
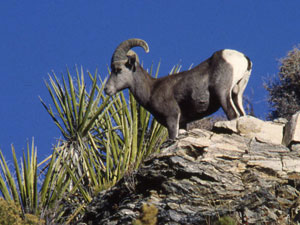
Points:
point(264, 131)
point(292, 130)
point(226, 126)
point(281, 120)
point(251, 127)
point(204, 176)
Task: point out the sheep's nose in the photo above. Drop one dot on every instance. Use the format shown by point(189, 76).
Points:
point(107, 91)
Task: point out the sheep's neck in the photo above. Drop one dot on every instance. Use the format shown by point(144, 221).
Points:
point(142, 87)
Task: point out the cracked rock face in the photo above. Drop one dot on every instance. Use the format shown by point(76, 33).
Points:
point(205, 175)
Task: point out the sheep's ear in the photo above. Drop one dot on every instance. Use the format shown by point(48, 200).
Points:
point(131, 62)
point(132, 59)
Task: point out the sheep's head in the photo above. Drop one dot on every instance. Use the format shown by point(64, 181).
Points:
point(123, 65)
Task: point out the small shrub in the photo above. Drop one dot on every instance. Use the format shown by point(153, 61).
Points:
point(284, 91)
point(148, 217)
point(226, 220)
point(11, 213)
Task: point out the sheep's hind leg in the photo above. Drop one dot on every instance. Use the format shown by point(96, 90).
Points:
point(238, 91)
point(225, 98)
point(182, 128)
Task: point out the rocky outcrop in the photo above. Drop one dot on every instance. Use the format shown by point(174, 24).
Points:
point(240, 170)
point(264, 131)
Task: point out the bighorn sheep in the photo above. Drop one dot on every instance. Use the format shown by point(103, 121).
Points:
point(178, 99)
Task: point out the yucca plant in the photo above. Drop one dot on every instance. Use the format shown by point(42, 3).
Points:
point(28, 186)
point(77, 110)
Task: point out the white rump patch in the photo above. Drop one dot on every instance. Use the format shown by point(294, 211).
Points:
point(239, 64)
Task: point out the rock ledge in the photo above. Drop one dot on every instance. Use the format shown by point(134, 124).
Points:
point(205, 175)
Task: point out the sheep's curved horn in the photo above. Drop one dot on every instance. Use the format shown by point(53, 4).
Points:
point(121, 51)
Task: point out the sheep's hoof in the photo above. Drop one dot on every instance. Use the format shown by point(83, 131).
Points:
point(168, 142)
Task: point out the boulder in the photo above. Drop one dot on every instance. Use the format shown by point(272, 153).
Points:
point(251, 127)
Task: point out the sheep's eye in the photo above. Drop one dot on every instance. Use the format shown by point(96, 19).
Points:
point(116, 70)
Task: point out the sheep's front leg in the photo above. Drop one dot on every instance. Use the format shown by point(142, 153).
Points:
point(173, 126)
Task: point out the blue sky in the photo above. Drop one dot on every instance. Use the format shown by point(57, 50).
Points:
point(37, 37)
